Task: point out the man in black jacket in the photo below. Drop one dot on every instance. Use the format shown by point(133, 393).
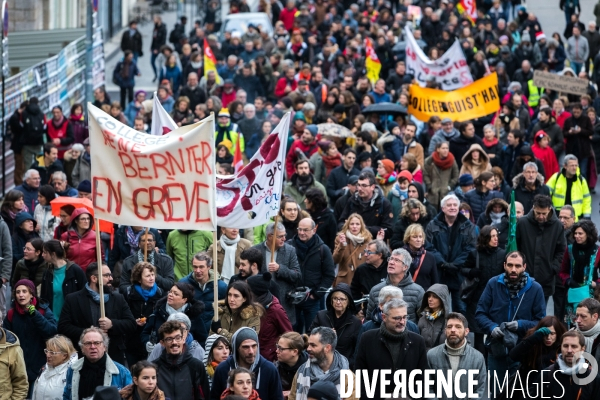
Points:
point(529, 184)
point(34, 129)
point(318, 271)
point(82, 310)
point(193, 91)
point(340, 204)
point(132, 41)
point(337, 182)
point(180, 376)
point(462, 143)
point(373, 271)
point(370, 203)
point(159, 39)
point(391, 347)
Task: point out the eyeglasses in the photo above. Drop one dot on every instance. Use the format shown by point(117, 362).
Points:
point(399, 318)
point(170, 340)
point(90, 344)
point(282, 236)
point(304, 230)
point(369, 253)
point(108, 275)
point(394, 259)
point(279, 348)
point(53, 353)
point(339, 299)
point(363, 185)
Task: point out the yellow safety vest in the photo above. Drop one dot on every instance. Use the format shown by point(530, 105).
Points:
point(534, 93)
point(581, 200)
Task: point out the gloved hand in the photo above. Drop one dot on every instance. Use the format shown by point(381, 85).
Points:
point(497, 333)
point(512, 326)
point(215, 326)
point(31, 309)
point(150, 346)
point(474, 273)
point(540, 333)
point(450, 268)
point(572, 283)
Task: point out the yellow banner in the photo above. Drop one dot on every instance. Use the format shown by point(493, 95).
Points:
point(473, 101)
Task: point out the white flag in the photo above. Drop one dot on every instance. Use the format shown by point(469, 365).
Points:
point(251, 197)
point(162, 123)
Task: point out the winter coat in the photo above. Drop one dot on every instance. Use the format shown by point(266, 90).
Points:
point(441, 136)
point(469, 167)
point(524, 195)
point(30, 195)
point(366, 276)
point(273, 324)
point(349, 325)
point(287, 278)
point(132, 42)
point(82, 170)
point(74, 281)
point(196, 95)
point(337, 181)
point(77, 315)
point(428, 273)
point(164, 271)
point(22, 272)
point(115, 375)
point(34, 125)
point(20, 238)
point(46, 221)
point(118, 78)
point(544, 246)
point(460, 145)
point(82, 249)
point(317, 268)
point(478, 200)
point(33, 329)
point(579, 143)
point(251, 84)
point(63, 132)
point(184, 379)
point(206, 294)
point(555, 133)
point(121, 248)
point(450, 245)
point(140, 308)
point(374, 354)
point(13, 375)
point(400, 227)
point(326, 226)
point(377, 213)
point(50, 385)
point(242, 245)
point(45, 176)
point(470, 360)
point(437, 181)
point(287, 373)
point(390, 145)
point(434, 332)
point(348, 258)
point(520, 162)
point(160, 315)
point(548, 159)
point(492, 307)
point(413, 295)
point(292, 190)
point(173, 75)
point(231, 321)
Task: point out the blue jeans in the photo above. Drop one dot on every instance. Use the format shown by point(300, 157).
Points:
point(583, 167)
point(305, 314)
point(457, 304)
point(152, 62)
point(577, 67)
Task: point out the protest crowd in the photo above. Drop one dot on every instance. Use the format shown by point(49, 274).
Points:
point(411, 234)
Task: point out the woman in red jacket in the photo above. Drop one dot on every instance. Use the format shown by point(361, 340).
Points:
point(80, 239)
point(543, 152)
point(60, 131)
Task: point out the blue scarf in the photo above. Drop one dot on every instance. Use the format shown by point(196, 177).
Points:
point(146, 294)
point(95, 295)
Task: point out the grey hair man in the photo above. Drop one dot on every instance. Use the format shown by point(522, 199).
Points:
point(30, 188)
point(61, 186)
point(569, 186)
point(373, 271)
point(250, 124)
point(399, 276)
point(528, 184)
point(392, 346)
point(284, 269)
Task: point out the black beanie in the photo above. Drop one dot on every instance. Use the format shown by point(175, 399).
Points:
point(323, 390)
point(259, 284)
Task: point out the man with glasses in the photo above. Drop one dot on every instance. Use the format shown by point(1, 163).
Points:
point(541, 238)
point(180, 375)
point(446, 134)
point(165, 276)
point(92, 370)
point(370, 202)
point(250, 262)
point(373, 271)
point(588, 323)
point(317, 268)
point(82, 310)
point(529, 184)
point(391, 347)
point(285, 270)
point(30, 188)
point(566, 217)
point(399, 276)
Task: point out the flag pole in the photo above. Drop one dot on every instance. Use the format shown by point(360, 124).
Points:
point(100, 264)
point(214, 255)
point(146, 247)
point(275, 222)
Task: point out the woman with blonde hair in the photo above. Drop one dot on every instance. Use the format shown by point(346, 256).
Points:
point(60, 354)
point(291, 354)
point(350, 243)
point(423, 268)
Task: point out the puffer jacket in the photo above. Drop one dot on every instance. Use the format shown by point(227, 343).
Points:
point(13, 375)
point(450, 249)
point(433, 330)
point(478, 200)
point(348, 325)
point(413, 295)
point(437, 181)
point(82, 248)
point(316, 266)
point(232, 321)
point(524, 195)
point(50, 385)
point(273, 324)
point(47, 222)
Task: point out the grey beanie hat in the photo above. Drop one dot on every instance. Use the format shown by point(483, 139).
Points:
point(181, 317)
point(242, 334)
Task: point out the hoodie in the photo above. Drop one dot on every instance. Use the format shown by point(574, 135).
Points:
point(432, 327)
point(268, 384)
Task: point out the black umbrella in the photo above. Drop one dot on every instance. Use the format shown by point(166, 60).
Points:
point(385, 108)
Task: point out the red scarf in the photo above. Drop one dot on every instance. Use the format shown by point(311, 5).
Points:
point(22, 310)
point(253, 396)
point(331, 162)
point(443, 163)
point(489, 144)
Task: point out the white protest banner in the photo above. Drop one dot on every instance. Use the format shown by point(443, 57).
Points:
point(162, 123)
point(251, 197)
point(450, 70)
point(165, 182)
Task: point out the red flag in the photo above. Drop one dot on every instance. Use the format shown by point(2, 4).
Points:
point(162, 123)
point(238, 162)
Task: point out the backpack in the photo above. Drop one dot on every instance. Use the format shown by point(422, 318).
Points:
point(34, 127)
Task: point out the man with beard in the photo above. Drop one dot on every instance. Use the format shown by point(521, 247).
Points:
point(540, 236)
point(457, 355)
point(302, 148)
point(370, 203)
point(251, 261)
point(300, 182)
point(179, 374)
point(391, 347)
point(82, 310)
point(337, 182)
point(410, 145)
point(324, 364)
point(512, 295)
point(92, 370)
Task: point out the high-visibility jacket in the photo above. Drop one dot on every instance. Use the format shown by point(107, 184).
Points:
point(581, 200)
point(231, 134)
point(534, 93)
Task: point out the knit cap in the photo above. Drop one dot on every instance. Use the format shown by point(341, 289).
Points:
point(313, 129)
point(27, 283)
point(259, 284)
point(85, 186)
point(323, 390)
point(242, 334)
point(405, 175)
point(389, 166)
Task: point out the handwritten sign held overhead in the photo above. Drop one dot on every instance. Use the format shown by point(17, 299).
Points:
point(161, 181)
point(560, 83)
